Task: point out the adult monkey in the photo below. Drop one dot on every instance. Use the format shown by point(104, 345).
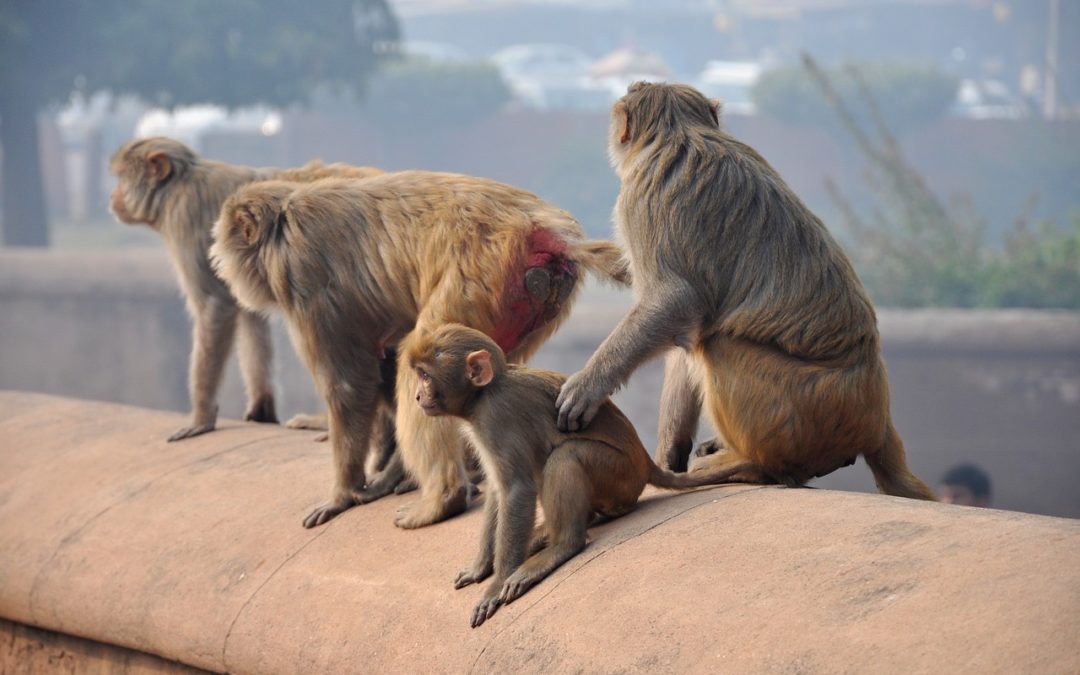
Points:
point(361, 266)
point(580, 478)
point(778, 337)
point(164, 184)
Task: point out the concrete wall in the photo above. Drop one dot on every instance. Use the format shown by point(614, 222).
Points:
point(194, 553)
point(998, 388)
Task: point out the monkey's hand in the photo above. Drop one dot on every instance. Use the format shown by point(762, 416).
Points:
point(316, 422)
point(473, 575)
point(485, 609)
point(324, 513)
point(579, 400)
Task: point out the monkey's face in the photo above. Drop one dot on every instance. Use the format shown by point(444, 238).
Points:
point(429, 396)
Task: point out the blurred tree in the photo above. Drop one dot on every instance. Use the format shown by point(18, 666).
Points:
point(413, 94)
point(231, 52)
point(917, 250)
point(909, 96)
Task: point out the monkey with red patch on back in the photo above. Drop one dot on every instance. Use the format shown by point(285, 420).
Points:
point(358, 267)
point(508, 411)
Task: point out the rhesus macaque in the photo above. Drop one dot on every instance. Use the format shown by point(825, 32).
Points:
point(358, 267)
point(775, 333)
point(509, 413)
point(164, 184)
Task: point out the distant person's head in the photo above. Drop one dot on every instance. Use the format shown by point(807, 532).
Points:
point(966, 485)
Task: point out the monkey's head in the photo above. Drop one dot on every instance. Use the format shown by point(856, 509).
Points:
point(247, 235)
point(453, 363)
point(653, 112)
point(145, 169)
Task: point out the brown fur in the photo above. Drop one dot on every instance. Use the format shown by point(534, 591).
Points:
point(355, 266)
point(164, 184)
point(779, 339)
point(509, 412)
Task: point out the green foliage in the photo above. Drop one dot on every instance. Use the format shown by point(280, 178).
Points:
point(416, 94)
point(915, 250)
point(909, 96)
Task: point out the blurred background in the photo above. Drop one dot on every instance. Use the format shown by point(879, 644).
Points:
point(939, 139)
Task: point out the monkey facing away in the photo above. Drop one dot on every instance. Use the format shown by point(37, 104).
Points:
point(776, 335)
point(164, 184)
point(509, 413)
point(358, 267)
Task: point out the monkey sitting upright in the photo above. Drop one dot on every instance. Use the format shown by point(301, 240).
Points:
point(509, 414)
point(761, 314)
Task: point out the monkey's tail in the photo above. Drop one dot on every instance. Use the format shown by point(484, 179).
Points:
point(663, 478)
point(891, 472)
point(604, 259)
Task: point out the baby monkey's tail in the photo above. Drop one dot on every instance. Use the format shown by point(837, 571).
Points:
point(728, 473)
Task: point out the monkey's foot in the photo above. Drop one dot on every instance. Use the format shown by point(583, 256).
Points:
point(328, 511)
point(430, 511)
point(262, 410)
point(314, 422)
point(473, 575)
point(709, 447)
point(484, 610)
point(406, 485)
point(386, 483)
point(515, 587)
point(188, 432)
point(322, 438)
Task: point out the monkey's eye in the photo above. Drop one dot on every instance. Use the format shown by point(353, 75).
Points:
point(423, 375)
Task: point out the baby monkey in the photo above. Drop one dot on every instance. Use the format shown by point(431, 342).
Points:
point(582, 478)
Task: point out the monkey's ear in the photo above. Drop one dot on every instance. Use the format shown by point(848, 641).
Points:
point(247, 225)
point(621, 119)
point(160, 165)
point(478, 368)
point(714, 108)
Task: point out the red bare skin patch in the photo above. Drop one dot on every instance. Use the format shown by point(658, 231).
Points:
point(536, 291)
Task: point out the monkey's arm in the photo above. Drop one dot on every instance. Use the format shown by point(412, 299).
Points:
point(654, 323)
point(680, 408)
point(212, 338)
point(485, 559)
point(514, 526)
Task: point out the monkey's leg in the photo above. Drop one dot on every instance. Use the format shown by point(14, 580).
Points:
point(352, 409)
point(653, 324)
point(212, 338)
point(565, 497)
point(384, 441)
point(680, 409)
point(256, 359)
point(433, 452)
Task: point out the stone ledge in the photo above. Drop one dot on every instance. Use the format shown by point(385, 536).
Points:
point(194, 552)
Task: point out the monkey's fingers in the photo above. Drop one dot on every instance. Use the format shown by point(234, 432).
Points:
point(472, 575)
point(327, 512)
point(188, 432)
point(514, 588)
point(577, 403)
point(484, 610)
